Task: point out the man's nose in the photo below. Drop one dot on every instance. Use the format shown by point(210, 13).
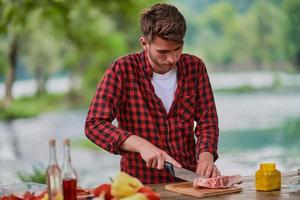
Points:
point(172, 58)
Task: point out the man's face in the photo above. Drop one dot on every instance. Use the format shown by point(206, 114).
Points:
point(162, 54)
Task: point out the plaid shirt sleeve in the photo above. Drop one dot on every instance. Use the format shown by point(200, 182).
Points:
point(102, 112)
point(207, 131)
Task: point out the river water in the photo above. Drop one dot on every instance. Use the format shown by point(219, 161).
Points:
point(243, 121)
point(23, 142)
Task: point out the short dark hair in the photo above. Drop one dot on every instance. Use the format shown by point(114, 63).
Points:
point(165, 21)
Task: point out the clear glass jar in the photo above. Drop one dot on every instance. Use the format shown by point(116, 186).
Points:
point(294, 182)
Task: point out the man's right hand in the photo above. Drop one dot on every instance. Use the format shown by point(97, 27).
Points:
point(153, 156)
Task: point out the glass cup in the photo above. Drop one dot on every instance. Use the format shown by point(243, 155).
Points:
point(294, 183)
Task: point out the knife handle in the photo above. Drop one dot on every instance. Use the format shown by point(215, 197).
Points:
point(169, 167)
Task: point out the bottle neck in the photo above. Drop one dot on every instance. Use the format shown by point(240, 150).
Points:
point(67, 169)
point(53, 159)
point(67, 156)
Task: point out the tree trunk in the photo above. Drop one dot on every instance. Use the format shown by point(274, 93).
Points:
point(41, 79)
point(11, 72)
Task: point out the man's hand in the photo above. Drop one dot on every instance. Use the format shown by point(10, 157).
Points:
point(206, 166)
point(152, 155)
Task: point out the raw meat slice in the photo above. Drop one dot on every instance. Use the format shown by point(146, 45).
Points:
point(217, 182)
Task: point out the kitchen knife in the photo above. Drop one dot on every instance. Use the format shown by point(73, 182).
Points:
point(182, 173)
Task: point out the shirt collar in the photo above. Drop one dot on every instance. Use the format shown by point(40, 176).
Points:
point(146, 65)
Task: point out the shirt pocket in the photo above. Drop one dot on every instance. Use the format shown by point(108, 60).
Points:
point(186, 108)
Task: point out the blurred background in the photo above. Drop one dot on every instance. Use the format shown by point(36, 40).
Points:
point(54, 52)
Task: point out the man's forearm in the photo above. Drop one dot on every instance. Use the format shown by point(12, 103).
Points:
point(133, 143)
point(207, 156)
point(152, 155)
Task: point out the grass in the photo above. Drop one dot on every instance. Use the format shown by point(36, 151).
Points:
point(85, 144)
point(32, 106)
point(38, 175)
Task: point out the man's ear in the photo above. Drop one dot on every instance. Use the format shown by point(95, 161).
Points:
point(143, 42)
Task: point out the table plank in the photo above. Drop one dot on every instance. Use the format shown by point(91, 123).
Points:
point(248, 191)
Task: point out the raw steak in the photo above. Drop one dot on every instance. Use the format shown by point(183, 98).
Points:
point(217, 182)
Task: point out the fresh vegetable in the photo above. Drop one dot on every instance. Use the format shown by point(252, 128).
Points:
point(103, 189)
point(27, 196)
point(125, 185)
point(10, 197)
point(136, 196)
point(149, 193)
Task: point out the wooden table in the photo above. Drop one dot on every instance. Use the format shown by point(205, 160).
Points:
point(248, 192)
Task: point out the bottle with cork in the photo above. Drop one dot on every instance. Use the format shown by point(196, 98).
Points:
point(267, 178)
point(69, 174)
point(54, 184)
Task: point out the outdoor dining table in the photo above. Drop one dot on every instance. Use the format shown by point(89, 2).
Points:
point(248, 191)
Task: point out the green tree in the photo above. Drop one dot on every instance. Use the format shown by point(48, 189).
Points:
point(242, 35)
point(41, 50)
point(266, 21)
point(108, 29)
point(13, 20)
point(3, 57)
point(292, 8)
point(213, 28)
point(91, 34)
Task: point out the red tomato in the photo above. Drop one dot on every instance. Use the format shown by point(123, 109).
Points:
point(28, 196)
point(40, 196)
point(14, 197)
point(10, 197)
point(103, 188)
point(149, 193)
point(5, 198)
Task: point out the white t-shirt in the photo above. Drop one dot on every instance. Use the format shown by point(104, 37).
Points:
point(165, 87)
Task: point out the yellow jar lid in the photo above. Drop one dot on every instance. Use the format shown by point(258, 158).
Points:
point(267, 166)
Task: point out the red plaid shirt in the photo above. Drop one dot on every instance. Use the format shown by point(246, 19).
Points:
point(127, 94)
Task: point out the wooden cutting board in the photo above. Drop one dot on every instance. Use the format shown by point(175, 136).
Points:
point(187, 189)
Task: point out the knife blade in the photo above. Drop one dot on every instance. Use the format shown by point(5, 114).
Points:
point(182, 173)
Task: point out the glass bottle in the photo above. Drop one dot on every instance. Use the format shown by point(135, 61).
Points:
point(294, 182)
point(69, 174)
point(54, 183)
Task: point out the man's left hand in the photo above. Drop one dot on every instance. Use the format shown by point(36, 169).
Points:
point(206, 166)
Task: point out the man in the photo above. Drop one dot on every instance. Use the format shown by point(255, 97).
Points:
point(156, 95)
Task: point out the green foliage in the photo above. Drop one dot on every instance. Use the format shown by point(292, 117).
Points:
point(292, 8)
point(76, 37)
point(217, 22)
point(82, 38)
point(242, 34)
point(3, 63)
point(38, 175)
point(32, 106)
point(3, 56)
point(85, 144)
point(44, 57)
point(240, 89)
point(268, 21)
